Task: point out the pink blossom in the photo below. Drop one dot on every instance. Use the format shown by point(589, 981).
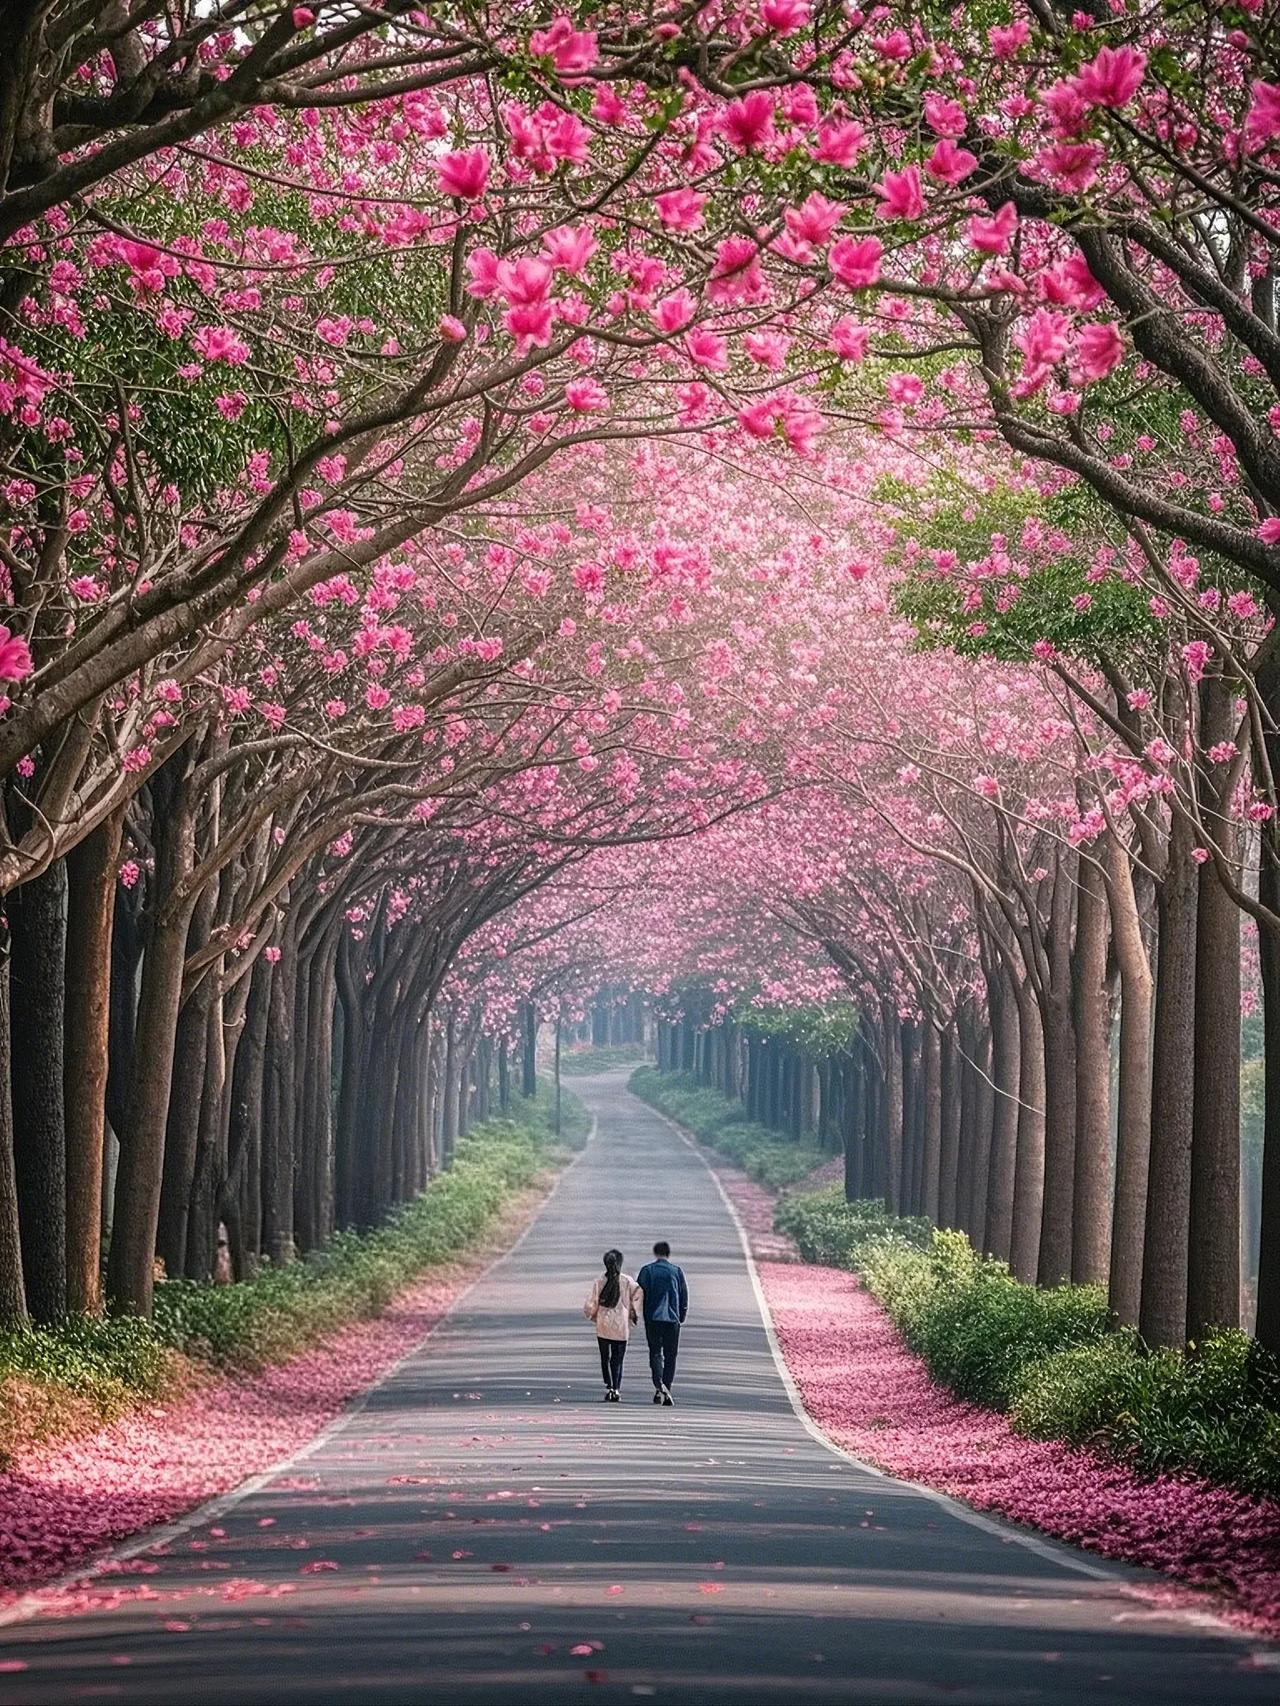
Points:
point(1263, 123)
point(849, 340)
point(993, 236)
point(570, 247)
point(900, 195)
point(464, 173)
point(15, 656)
point(840, 142)
point(815, 219)
point(1043, 339)
point(572, 51)
point(674, 312)
point(1071, 165)
point(949, 164)
point(944, 117)
point(758, 420)
point(451, 329)
point(220, 343)
point(987, 786)
point(855, 261)
point(735, 275)
point(784, 17)
point(1007, 39)
point(586, 396)
point(748, 123)
point(1099, 348)
point(129, 873)
point(680, 210)
point(707, 350)
point(1196, 655)
point(1113, 78)
point(1269, 530)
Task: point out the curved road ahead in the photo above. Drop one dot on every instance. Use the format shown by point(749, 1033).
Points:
point(487, 1514)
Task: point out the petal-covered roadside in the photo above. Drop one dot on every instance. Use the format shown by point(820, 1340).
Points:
point(876, 1399)
point(61, 1506)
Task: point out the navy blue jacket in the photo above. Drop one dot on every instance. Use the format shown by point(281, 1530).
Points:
point(666, 1296)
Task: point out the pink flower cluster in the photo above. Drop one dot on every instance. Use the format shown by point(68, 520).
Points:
point(875, 1398)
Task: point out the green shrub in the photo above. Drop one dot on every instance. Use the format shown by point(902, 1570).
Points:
point(1051, 1357)
point(833, 1232)
point(1214, 1411)
point(983, 1329)
point(770, 1156)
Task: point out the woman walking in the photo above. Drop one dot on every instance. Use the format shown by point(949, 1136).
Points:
point(613, 1305)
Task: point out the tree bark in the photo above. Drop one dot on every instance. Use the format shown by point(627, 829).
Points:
point(1267, 1322)
point(1028, 1175)
point(1213, 1256)
point(1054, 1263)
point(130, 1265)
point(1006, 1057)
point(1091, 1219)
point(91, 874)
point(13, 1296)
point(38, 926)
point(1162, 1316)
point(1133, 1112)
point(951, 1093)
point(931, 1122)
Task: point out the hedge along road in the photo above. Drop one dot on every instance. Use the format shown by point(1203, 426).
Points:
point(484, 1529)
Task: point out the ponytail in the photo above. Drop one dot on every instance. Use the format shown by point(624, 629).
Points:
point(611, 1290)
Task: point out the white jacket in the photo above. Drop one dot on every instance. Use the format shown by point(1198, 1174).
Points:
point(614, 1323)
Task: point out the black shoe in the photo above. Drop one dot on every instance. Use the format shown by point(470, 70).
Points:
point(615, 1396)
point(667, 1400)
point(609, 1395)
point(657, 1396)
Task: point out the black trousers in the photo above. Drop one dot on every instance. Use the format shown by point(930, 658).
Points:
point(664, 1342)
point(612, 1352)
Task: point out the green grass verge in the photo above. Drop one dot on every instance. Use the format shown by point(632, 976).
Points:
point(767, 1155)
point(1051, 1357)
point(60, 1380)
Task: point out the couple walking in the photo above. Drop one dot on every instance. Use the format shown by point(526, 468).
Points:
point(617, 1301)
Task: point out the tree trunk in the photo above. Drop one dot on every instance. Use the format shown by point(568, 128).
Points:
point(1028, 1175)
point(951, 1093)
point(1162, 1317)
point(1054, 1264)
point(182, 1129)
point(1213, 1256)
point(1267, 1322)
point(38, 926)
point(91, 875)
point(1006, 1057)
point(130, 1265)
point(892, 1110)
point(279, 1131)
point(1091, 1219)
point(1133, 1112)
point(931, 1122)
point(13, 1296)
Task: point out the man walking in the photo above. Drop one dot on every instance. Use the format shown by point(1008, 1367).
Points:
point(666, 1303)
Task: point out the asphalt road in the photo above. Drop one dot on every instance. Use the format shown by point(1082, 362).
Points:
point(484, 1515)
